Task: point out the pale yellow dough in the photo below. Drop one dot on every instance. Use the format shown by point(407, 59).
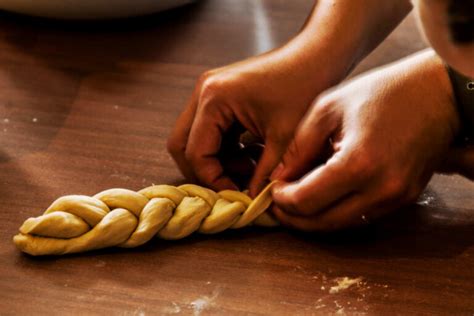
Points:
point(125, 218)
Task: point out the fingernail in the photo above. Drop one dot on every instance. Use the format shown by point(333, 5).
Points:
point(277, 171)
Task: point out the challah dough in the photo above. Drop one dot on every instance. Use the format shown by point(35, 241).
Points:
point(125, 218)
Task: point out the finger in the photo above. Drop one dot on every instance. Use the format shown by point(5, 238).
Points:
point(311, 140)
point(204, 144)
point(178, 138)
point(319, 189)
point(355, 210)
point(266, 164)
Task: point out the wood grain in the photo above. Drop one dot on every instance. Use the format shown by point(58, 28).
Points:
point(88, 106)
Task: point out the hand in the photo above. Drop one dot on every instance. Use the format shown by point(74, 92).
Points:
point(388, 131)
point(266, 95)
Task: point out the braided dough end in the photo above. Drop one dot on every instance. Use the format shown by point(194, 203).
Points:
point(112, 230)
point(57, 224)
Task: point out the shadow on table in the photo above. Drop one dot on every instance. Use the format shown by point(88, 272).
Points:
point(416, 231)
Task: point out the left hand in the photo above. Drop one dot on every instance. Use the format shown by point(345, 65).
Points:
point(388, 131)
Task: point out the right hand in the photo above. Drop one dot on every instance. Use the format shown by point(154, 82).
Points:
point(265, 95)
point(388, 131)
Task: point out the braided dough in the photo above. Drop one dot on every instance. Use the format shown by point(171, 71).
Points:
point(125, 218)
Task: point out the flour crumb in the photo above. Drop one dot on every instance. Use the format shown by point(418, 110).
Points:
point(173, 309)
point(199, 305)
point(204, 302)
point(6, 121)
point(343, 284)
point(34, 120)
point(340, 308)
point(116, 107)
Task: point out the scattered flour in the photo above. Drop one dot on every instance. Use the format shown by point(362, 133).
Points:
point(204, 302)
point(173, 309)
point(343, 284)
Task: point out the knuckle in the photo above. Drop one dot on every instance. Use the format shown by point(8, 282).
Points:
point(211, 87)
point(323, 104)
point(205, 76)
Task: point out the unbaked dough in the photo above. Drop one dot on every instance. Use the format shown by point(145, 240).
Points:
point(125, 218)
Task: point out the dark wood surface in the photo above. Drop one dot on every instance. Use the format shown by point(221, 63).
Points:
point(85, 107)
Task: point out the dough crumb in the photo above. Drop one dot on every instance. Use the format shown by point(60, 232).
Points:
point(343, 284)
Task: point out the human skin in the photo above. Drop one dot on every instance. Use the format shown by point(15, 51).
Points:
point(373, 143)
point(433, 20)
point(268, 95)
point(388, 131)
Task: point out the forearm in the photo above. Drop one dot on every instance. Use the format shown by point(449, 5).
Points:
point(340, 33)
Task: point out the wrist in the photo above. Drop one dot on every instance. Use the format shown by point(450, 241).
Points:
point(321, 63)
point(443, 84)
point(463, 96)
point(339, 34)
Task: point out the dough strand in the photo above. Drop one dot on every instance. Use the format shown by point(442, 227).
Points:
point(125, 218)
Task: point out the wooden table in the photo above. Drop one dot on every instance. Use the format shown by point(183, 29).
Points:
point(85, 107)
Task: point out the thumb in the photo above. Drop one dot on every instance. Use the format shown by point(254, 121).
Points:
point(311, 141)
point(266, 164)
